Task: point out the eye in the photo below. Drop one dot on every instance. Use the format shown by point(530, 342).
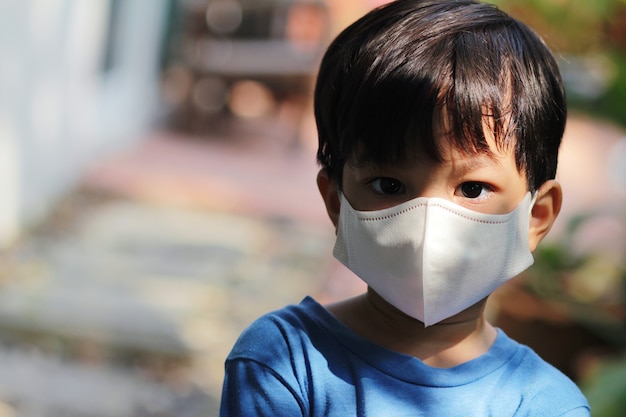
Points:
point(473, 189)
point(387, 186)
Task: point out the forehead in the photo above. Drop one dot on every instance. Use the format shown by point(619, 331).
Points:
point(454, 143)
point(463, 160)
point(442, 145)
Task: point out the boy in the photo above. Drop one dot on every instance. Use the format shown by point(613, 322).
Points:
point(439, 126)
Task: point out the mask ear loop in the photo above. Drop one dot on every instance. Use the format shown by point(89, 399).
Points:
point(342, 198)
point(533, 200)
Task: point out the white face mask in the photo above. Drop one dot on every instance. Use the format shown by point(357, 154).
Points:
point(431, 258)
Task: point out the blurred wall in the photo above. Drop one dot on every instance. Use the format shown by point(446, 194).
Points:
point(78, 78)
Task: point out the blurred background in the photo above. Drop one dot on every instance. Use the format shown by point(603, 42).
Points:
point(157, 180)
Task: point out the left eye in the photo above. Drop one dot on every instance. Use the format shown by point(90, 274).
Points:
point(473, 189)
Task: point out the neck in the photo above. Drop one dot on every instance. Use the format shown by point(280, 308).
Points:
point(451, 342)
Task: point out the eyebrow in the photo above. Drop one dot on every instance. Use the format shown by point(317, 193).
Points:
point(476, 162)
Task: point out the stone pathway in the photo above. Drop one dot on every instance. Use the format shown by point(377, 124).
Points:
point(134, 295)
point(126, 278)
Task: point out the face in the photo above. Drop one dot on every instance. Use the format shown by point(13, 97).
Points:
point(484, 183)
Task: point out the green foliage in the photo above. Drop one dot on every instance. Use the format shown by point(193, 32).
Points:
point(606, 390)
point(583, 28)
point(610, 105)
point(572, 26)
point(590, 286)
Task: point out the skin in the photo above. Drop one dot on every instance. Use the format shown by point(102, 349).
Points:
point(483, 183)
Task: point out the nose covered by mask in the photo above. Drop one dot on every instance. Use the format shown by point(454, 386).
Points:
point(431, 258)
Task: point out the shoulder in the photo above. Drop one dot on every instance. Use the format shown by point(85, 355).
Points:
point(275, 364)
point(282, 334)
point(546, 390)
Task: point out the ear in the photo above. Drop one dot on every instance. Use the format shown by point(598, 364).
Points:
point(328, 190)
point(544, 212)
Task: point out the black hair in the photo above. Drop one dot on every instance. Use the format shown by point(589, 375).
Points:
point(389, 77)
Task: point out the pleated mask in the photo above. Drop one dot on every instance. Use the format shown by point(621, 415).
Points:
point(431, 258)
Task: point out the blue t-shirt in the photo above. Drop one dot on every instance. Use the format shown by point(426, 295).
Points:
point(302, 361)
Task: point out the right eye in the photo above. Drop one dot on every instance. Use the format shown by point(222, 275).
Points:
point(387, 186)
point(473, 190)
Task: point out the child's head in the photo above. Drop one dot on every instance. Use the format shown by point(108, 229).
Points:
point(435, 120)
point(395, 77)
